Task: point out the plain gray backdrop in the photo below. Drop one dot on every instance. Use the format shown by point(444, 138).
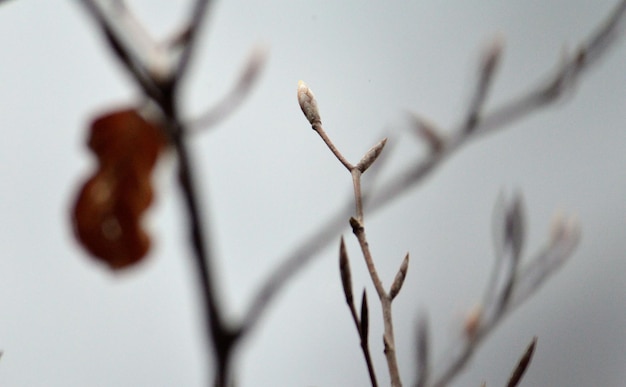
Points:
point(268, 182)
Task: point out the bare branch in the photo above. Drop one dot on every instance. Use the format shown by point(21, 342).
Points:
point(490, 61)
point(497, 119)
point(528, 279)
point(118, 42)
point(509, 232)
point(196, 17)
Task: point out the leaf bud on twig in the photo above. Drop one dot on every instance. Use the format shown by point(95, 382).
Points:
point(346, 276)
point(365, 320)
point(308, 104)
point(371, 156)
point(400, 276)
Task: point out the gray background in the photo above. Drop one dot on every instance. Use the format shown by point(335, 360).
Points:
point(269, 181)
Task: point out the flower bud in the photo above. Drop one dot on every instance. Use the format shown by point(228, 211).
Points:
point(307, 102)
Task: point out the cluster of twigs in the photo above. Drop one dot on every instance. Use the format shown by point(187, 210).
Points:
point(159, 68)
point(510, 284)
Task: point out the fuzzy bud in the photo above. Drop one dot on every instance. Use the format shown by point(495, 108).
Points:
point(307, 102)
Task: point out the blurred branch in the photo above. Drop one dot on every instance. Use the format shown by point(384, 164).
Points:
point(502, 297)
point(540, 97)
point(231, 101)
point(158, 69)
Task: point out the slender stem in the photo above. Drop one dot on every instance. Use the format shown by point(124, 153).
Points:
point(358, 197)
point(322, 133)
point(358, 228)
point(221, 336)
point(388, 336)
point(196, 17)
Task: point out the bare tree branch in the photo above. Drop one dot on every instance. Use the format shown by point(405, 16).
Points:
point(522, 106)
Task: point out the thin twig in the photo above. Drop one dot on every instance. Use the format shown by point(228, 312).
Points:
point(138, 71)
point(385, 301)
point(528, 279)
point(197, 14)
point(322, 133)
point(308, 104)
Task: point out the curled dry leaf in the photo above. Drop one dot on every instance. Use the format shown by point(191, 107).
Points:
point(107, 213)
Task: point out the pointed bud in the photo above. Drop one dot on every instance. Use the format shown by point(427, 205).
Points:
point(400, 276)
point(522, 365)
point(492, 56)
point(346, 276)
point(308, 104)
point(371, 156)
point(428, 132)
point(365, 320)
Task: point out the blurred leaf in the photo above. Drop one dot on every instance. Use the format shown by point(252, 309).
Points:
point(107, 213)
